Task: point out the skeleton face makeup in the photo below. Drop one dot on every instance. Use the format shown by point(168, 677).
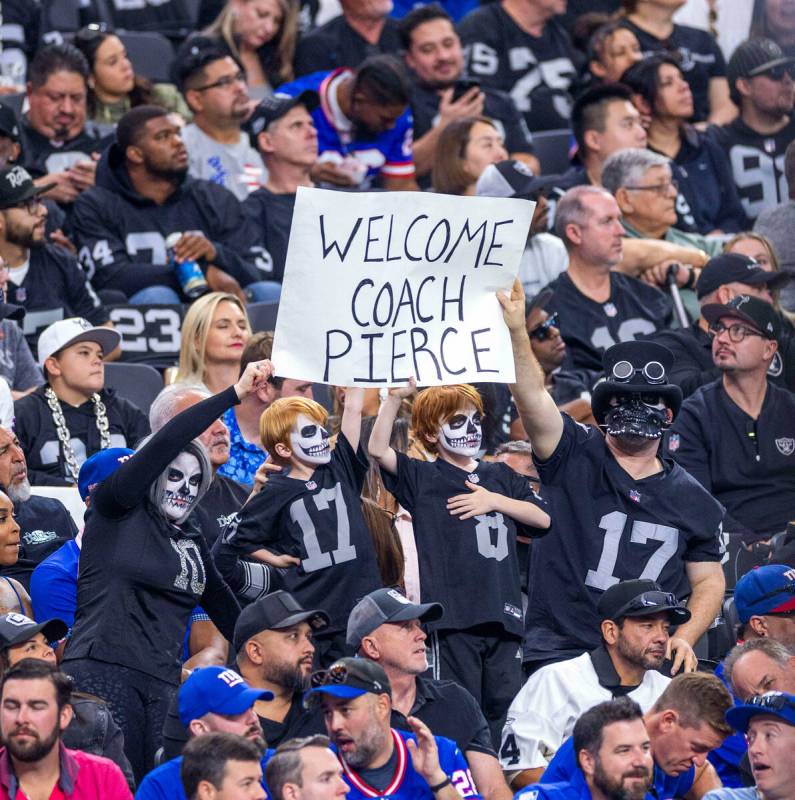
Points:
point(461, 435)
point(309, 441)
point(183, 478)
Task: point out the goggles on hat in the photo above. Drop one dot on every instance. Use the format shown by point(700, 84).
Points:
point(624, 371)
point(772, 700)
point(337, 674)
point(541, 332)
point(647, 602)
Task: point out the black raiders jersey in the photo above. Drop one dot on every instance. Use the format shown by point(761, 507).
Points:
point(320, 522)
point(458, 558)
point(537, 72)
point(20, 29)
point(634, 310)
point(607, 527)
point(757, 163)
point(41, 155)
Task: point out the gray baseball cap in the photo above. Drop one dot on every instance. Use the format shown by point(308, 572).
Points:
point(386, 605)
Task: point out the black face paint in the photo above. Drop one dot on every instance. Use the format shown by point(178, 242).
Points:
point(632, 417)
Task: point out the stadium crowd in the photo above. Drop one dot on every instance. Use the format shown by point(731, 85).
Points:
point(219, 581)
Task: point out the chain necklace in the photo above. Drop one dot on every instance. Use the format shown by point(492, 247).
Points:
point(64, 436)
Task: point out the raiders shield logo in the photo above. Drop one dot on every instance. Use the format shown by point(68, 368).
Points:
point(785, 446)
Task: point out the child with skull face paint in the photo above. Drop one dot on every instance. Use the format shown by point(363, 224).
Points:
point(309, 516)
point(144, 566)
point(466, 515)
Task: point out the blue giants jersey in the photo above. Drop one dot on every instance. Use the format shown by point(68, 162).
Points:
point(388, 153)
point(406, 784)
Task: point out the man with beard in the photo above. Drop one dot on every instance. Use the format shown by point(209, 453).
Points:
point(638, 515)
point(613, 757)
point(44, 279)
point(34, 712)
point(212, 700)
point(273, 643)
point(45, 524)
point(636, 639)
point(377, 760)
point(143, 195)
point(214, 86)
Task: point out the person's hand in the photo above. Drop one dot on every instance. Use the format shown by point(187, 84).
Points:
point(402, 392)
point(83, 174)
point(60, 238)
point(194, 245)
point(657, 275)
point(682, 654)
point(329, 172)
point(424, 753)
point(513, 307)
point(470, 104)
point(283, 561)
point(261, 476)
point(64, 190)
point(466, 506)
point(254, 377)
point(220, 281)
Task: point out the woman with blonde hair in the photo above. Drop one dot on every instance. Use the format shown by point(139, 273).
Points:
point(261, 34)
point(214, 333)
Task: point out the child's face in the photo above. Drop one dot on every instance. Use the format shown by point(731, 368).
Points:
point(462, 433)
point(309, 441)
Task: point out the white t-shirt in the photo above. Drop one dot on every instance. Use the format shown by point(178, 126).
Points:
point(544, 258)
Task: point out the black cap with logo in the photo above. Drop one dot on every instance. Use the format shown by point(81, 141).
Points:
point(737, 268)
point(275, 107)
point(16, 186)
point(757, 312)
point(17, 629)
point(640, 598)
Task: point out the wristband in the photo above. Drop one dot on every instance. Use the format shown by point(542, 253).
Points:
point(442, 785)
point(691, 279)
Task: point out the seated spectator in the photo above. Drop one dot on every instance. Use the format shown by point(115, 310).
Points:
point(636, 620)
point(758, 666)
point(44, 279)
point(466, 148)
point(36, 710)
point(597, 306)
point(762, 87)
point(768, 723)
point(223, 766)
point(91, 728)
point(722, 279)
point(764, 599)
point(612, 49)
point(214, 86)
point(363, 124)
point(13, 596)
point(771, 21)
point(17, 366)
point(58, 145)
point(440, 94)
point(744, 415)
point(704, 175)
point(613, 759)
point(702, 60)
point(44, 522)
point(757, 247)
point(356, 698)
point(73, 415)
point(305, 769)
point(113, 87)
point(214, 332)
point(385, 627)
point(518, 48)
point(362, 30)
point(143, 196)
point(211, 700)
point(245, 452)
point(261, 35)
point(284, 133)
point(685, 724)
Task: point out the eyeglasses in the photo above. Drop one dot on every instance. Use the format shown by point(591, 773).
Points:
point(542, 332)
point(777, 73)
point(776, 701)
point(31, 205)
point(93, 31)
point(657, 188)
point(736, 332)
point(624, 371)
point(223, 83)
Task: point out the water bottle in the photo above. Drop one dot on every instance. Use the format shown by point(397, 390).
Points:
point(189, 273)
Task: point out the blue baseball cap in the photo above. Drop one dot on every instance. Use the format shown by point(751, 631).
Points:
point(100, 466)
point(777, 704)
point(218, 690)
point(765, 590)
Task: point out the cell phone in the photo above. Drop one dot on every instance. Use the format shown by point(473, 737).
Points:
point(462, 87)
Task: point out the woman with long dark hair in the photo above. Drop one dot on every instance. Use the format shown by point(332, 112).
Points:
point(775, 19)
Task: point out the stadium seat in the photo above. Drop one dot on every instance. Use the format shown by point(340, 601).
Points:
point(60, 16)
point(151, 54)
point(14, 102)
point(552, 150)
point(262, 316)
point(138, 383)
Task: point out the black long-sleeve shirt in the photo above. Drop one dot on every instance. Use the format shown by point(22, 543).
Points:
point(141, 576)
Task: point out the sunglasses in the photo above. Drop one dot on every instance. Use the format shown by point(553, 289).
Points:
point(648, 601)
point(777, 73)
point(624, 371)
point(95, 30)
point(772, 700)
point(542, 332)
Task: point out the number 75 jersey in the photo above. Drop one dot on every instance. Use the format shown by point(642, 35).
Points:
point(320, 522)
point(608, 527)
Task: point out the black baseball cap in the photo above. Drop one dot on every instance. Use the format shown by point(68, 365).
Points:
point(9, 124)
point(753, 57)
point(347, 678)
point(513, 178)
point(17, 629)
point(757, 312)
point(737, 268)
point(16, 186)
point(275, 107)
point(273, 612)
point(640, 598)
point(386, 605)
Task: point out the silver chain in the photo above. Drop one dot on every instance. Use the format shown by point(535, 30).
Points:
point(65, 438)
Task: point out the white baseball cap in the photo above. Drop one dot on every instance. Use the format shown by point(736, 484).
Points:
point(70, 331)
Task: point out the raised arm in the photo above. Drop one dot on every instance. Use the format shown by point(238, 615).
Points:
point(351, 424)
point(537, 409)
point(378, 446)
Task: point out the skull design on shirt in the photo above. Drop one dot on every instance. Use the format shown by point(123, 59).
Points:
point(309, 441)
point(183, 479)
point(461, 435)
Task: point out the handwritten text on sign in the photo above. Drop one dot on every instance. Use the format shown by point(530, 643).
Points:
point(382, 286)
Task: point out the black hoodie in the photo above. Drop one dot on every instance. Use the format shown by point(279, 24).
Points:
point(120, 234)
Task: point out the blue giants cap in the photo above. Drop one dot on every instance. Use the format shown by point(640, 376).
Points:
point(218, 690)
point(778, 704)
point(100, 466)
point(765, 590)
